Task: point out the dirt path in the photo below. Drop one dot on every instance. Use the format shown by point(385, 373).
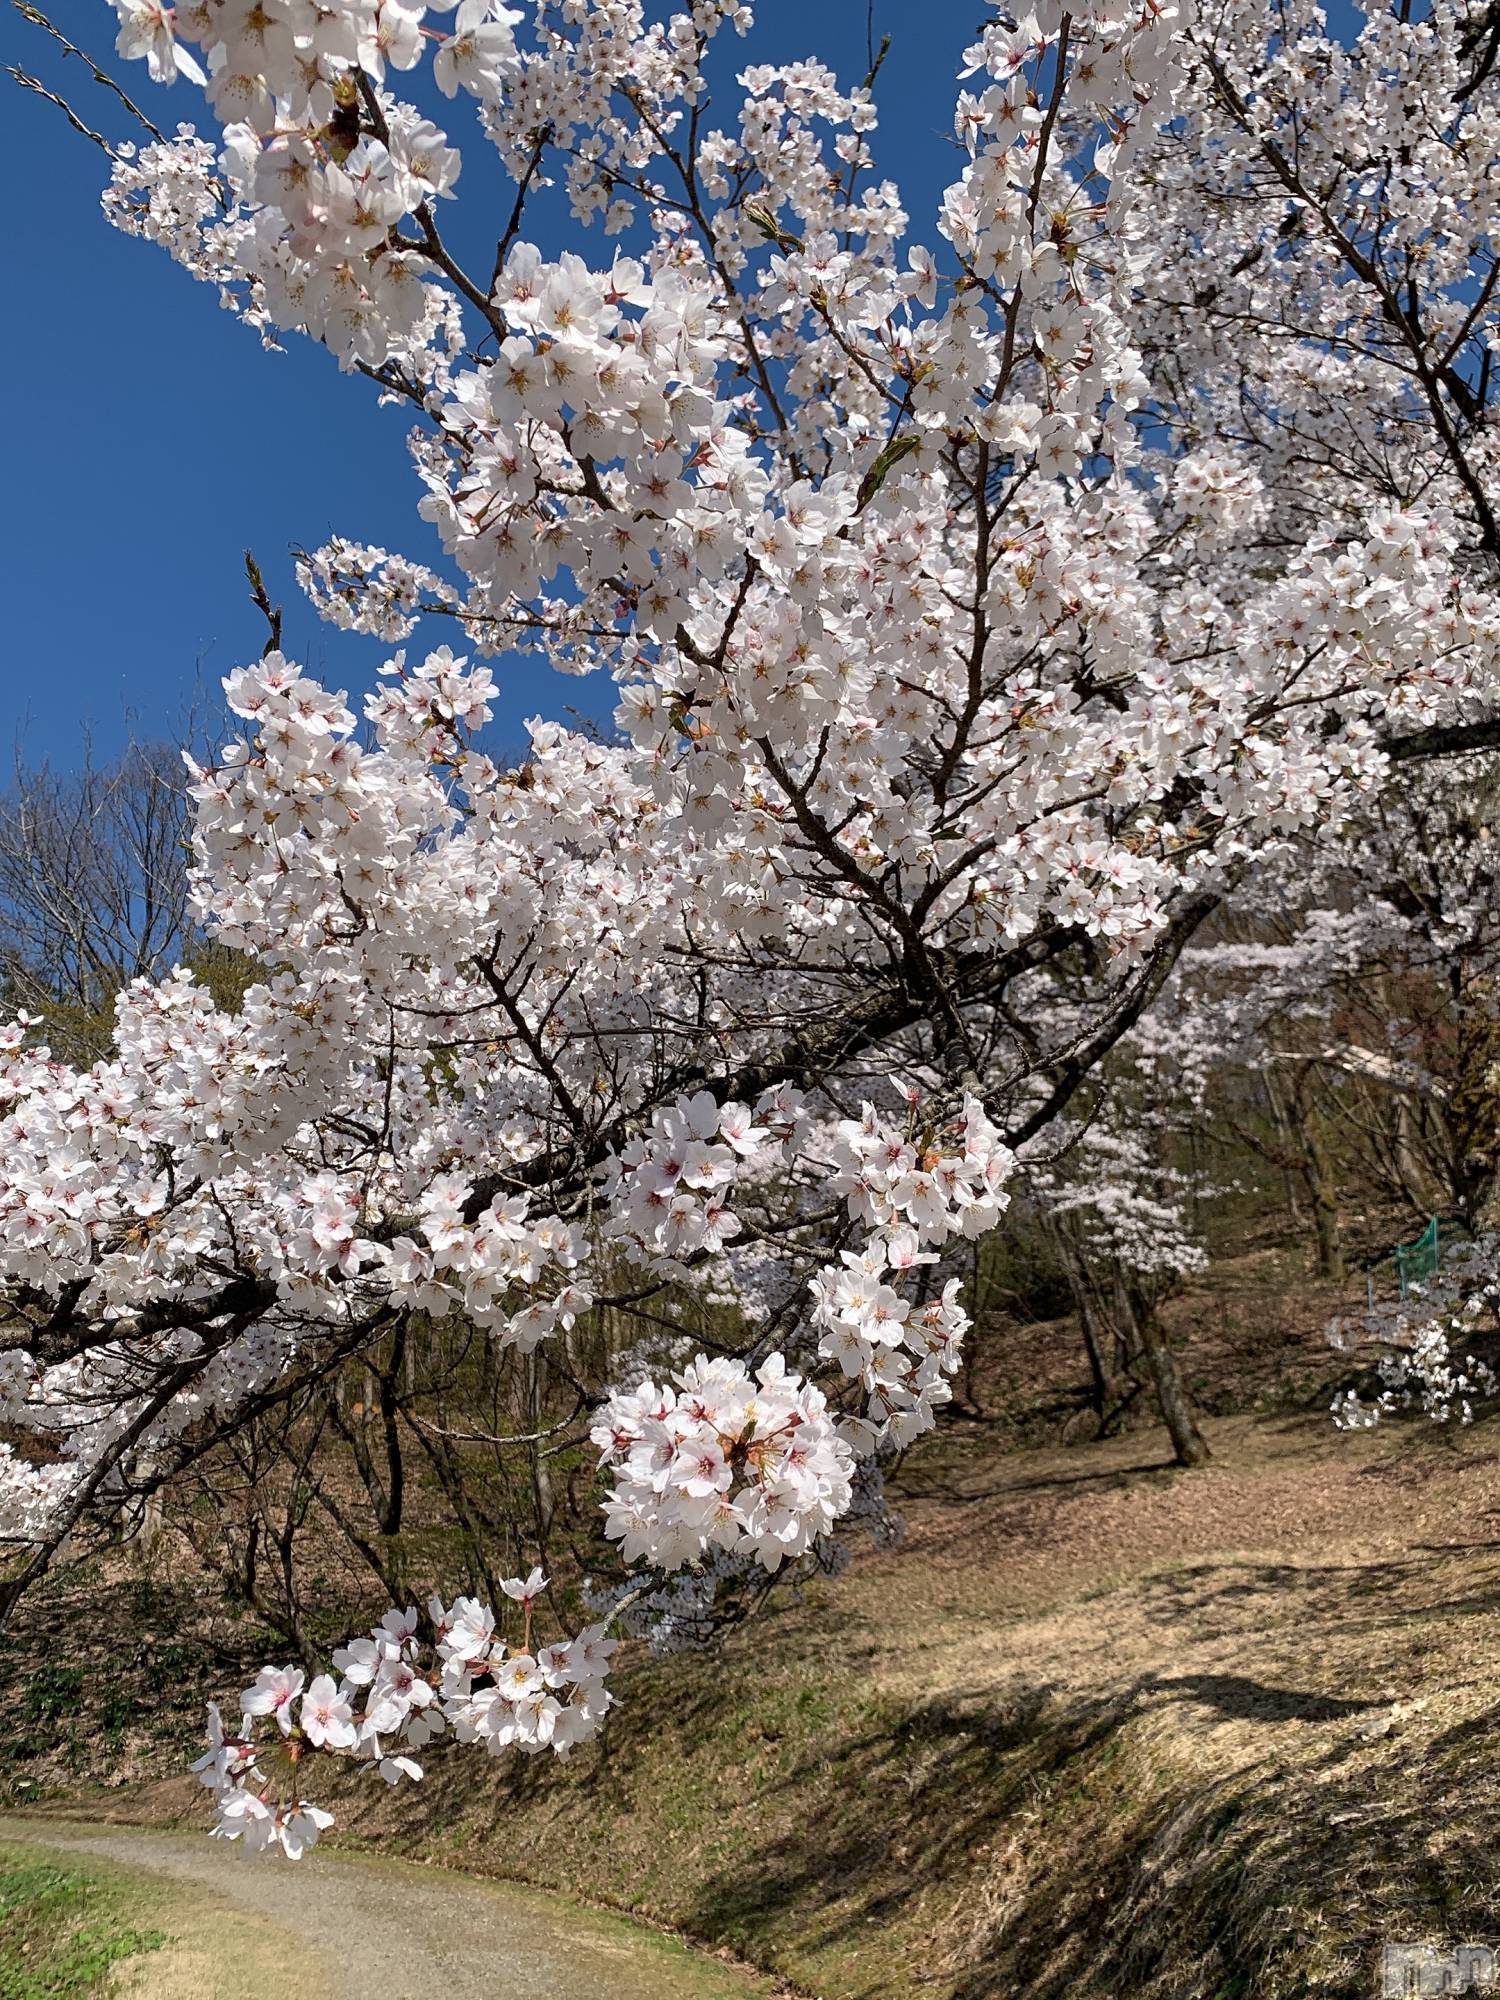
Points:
point(336, 1927)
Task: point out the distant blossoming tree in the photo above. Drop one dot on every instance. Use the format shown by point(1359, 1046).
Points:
point(984, 594)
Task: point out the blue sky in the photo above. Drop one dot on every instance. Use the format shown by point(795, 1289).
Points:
point(151, 440)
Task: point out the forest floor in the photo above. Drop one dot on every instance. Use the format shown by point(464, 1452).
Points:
point(1097, 1728)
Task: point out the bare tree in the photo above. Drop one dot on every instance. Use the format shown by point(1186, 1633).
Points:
point(93, 884)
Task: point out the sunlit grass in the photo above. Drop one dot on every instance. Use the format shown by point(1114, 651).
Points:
point(62, 1929)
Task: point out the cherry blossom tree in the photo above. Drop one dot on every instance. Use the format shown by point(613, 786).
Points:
point(986, 591)
point(1113, 1209)
point(1344, 1000)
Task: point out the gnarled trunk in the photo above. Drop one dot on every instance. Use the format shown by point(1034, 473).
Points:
point(1189, 1446)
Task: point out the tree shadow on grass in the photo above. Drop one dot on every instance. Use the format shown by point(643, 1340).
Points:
point(1116, 1478)
point(1275, 1880)
point(1059, 1852)
point(1345, 1596)
point(903, 1809)
point(1245, 1700)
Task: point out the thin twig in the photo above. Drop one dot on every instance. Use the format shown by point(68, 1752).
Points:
point(39, 20)
point(28, 82)
point(261, 598)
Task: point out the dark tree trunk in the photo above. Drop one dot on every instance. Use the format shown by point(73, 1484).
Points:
point(1101, 1340)
point(1105, 1383)
point(1322, 1189)
point(395, 1479)
point(1189, 1446)
point(1325, 1207)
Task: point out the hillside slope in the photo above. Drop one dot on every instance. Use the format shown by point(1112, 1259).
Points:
point(1097, 1728)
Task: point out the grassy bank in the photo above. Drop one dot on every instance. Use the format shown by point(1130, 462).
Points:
point(64, 1930)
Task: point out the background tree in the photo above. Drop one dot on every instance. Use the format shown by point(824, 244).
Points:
point(93, 886)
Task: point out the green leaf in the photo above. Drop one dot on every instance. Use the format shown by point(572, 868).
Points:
point(890, 453)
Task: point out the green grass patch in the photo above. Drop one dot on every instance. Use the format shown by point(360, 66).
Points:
point(62, 1929)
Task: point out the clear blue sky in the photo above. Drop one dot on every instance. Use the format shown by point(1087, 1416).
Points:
point(150, 440)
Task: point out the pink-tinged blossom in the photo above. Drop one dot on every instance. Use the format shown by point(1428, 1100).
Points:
point(325, 1718)
point(275, 1691)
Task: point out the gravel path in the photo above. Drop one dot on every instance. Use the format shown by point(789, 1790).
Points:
point(340, 1927)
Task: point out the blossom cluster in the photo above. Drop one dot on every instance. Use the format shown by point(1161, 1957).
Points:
point(952, 1185)
point(390, 1694)
point(668, 1187)
point(912, 1193)
point(722, 1458)
point(304, 207)
point(366, 589)
point(1418, 1344)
